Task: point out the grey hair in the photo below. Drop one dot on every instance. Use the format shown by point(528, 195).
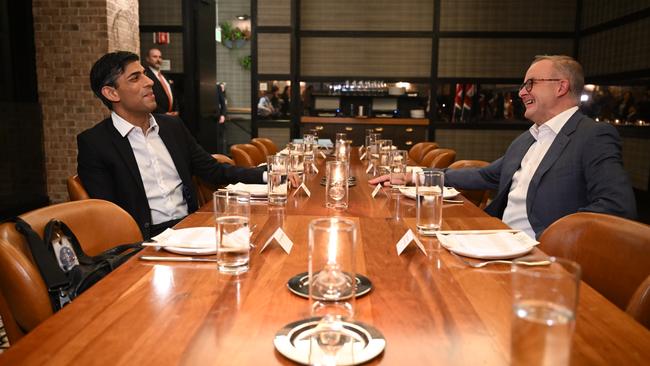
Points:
point(569, 68)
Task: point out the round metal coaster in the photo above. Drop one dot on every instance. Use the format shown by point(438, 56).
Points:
point(352, 181)
point(299, 285)
point(360, 342)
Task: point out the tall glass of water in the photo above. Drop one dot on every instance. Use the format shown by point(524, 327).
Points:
point(232, 232)
point(429, 188)
point(277, 170)
point(398, 169)
point(545, 300)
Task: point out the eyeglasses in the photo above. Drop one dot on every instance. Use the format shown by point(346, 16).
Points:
point(528, 84)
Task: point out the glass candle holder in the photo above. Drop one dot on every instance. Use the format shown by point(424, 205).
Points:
point(336, 187)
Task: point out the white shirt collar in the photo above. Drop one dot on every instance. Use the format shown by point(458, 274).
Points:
point(155, 72)
point(124, 127)
point(555, 124)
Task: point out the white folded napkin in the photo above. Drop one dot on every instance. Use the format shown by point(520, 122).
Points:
point(253, 189)
point(488, 245)
point(193, 237)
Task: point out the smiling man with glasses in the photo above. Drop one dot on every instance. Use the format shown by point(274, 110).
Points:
point(565, 163)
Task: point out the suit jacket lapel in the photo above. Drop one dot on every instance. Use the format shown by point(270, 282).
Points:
point(554, 151)
point(518, 153)
point(174, 151)
point(126, 153)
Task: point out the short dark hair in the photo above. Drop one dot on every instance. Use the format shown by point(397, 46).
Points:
point(107, 69)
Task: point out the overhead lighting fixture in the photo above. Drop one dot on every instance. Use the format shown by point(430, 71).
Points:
point(242, 17)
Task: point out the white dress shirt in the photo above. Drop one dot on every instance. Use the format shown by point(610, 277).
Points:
point(162, 184)
point(516, 214)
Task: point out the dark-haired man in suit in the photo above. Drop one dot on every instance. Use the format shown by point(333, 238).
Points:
point(141, 161)
point(162, 88)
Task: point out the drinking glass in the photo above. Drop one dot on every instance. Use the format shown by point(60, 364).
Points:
point(297, 162)
point(332, 288)
point(398, 169)
point(336, 187)
point(385, 147)
point(429, 186)
point(233, 237)
point(544, 307)
point(342, 150)
point(277, 169)
point(341, 136)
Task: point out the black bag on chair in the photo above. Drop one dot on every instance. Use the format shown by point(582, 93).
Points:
point(66, 269)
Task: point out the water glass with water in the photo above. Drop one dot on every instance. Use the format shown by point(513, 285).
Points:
point(544, 307)
point(398, 168)
point(277, 170)
point(429, 188)
point(232, 232)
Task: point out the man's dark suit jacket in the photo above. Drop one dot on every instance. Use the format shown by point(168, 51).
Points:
point(582, 171)
point(109, 171)
point(161, 97)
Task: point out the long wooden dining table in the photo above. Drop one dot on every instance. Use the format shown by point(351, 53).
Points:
point(431, 308)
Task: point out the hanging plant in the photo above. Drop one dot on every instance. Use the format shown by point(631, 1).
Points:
point(233, 37)
point(246, 62)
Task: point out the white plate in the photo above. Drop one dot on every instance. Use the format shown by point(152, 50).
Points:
point(256, 190)
point(191, 241)
point(191, 251)
point(447, 194)
point(489, 246)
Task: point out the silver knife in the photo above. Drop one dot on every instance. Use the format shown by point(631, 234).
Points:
point(176, 259)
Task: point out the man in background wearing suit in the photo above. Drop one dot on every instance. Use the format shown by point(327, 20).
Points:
point(141, 161)
point(162, 88)
point(565, 163)
point(222, 109)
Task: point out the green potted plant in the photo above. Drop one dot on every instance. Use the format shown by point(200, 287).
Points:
point(246, 62)
point(233, 37)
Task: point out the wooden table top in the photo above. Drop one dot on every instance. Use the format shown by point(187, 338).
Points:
point(430, 308)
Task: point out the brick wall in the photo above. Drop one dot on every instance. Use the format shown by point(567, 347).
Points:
point(69, 36)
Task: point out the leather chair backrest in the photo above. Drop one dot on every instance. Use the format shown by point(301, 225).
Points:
point(419, 150)
point(223, 159)
point(261, 147)
point(614, 252)
point(639, 305)
point(439, 158)
point(76, 190)
point(98, 224)
point(247, 155)
point(477, 197)
point(271, 147)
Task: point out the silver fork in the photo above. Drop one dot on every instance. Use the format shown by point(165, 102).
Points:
point(483, 264)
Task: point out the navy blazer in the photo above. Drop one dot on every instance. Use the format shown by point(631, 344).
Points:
point(162, 102)
point(581, 171)
point(108, 169)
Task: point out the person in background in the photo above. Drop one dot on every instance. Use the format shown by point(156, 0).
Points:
point(285, 102)
point(222, 110)
point(565, 163)
point(307, 100)
point(162, 88)
point(144, 162)
point(265, 106)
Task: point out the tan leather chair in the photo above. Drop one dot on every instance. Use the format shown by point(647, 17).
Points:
point(614, 254)
point(269, 146)
point(24, 302)
point(76, 190)
point(419, 150)
point(477, 197)
point(247, 155)
point(204, 189)
point(439, 158)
